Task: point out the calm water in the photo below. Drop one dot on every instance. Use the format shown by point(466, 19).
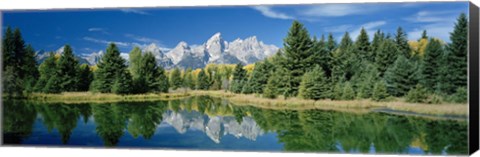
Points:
point(204, 123)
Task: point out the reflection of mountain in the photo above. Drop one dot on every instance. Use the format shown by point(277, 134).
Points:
point(214, 127)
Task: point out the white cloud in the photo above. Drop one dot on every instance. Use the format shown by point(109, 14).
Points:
point(101, 41)
point(125, 56)
point(337, 10)
point(96, 29)
point(134, 11)
point(142, 39)
point(438, 24)
point(268, 12)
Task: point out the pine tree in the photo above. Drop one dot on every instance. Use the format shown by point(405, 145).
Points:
point(348, 92)
point(271, 89)
point(53, 83)
point(8, 52)
point(456, 59)
point(238, 79)
point(86, 77)
point(376, 42)
point(175, 79)
point(11, 83)
point(314, 85)
point(46, 70)
point(123, 83)
point(362, 45)
point(331, 43)
point(386, 55)
point(297, 57)
point(379, 91)
point(344, 61)
point(109, 67)
point(337, 91)
point(67, 70)
point(321, 56)
point(260, 76)
point(365, 80)
point(429, 66)
point(417, 95)
point(202, 81)
point(150, 75)
point(401, 41)
point(401, 77)
point(424, 35)
point(30, 67)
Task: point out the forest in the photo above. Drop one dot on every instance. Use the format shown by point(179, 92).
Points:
point(389, 66)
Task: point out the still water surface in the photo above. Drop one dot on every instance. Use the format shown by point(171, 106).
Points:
point(205, 123)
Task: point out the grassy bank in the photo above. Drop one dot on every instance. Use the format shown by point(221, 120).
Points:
point(357, 106)
point(339, 105)
point(86, 97)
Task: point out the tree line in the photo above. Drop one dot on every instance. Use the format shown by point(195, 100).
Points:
point(428, 70)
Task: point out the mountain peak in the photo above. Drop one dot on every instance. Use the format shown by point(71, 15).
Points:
point(182, 44)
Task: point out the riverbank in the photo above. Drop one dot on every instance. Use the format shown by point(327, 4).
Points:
point(359, 106)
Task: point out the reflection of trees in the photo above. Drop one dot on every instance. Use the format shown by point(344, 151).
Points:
point(18, 118)
point(62, 117)
point(110, 120)
point(144, 118)
point(316, 130)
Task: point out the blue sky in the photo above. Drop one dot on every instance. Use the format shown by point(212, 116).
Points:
point(89, 30)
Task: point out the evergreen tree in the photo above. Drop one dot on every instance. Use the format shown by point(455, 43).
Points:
point(348, 92)
point(386, 55)
point(429, 66)
point(30, 68)
point(365, 79)
point(260, 76)
point(8, 52)
point(401, 77)
point(417, 94)
point(376, 42)
point(379, 91)
point(362, 45)
point(175, 79)
point(53, 83)
point(321, 56)
point(271, 90)
point(424, 35)
point(46, 69)
point(401, 41)
point(86, 77)
point(109, 67)
point(238, 79)
point(11, 83)
point(123, 83)
point(297, 57)
point(67, 70)
point(344, 61)
point(151, 75)
point(456, 58)
point(331, 43)
point(314, 85)
point(337, 91)
point(202, 81)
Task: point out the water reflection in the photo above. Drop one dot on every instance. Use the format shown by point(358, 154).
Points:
point(147, 124)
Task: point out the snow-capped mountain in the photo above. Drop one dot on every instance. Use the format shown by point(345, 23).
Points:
point(42, 55)
point(214, 50)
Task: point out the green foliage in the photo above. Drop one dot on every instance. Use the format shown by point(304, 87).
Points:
point(11, 84)
point(175, 79)
point(314, 85)
point(123, 83)
point(46, 69)
point(348, 92)
point(430, 65)
point(297, 57)
point(379, 91)
point(378, 38)
point(260, 76)
point(271, 89)
point(188, 81)
point(53, 84)
point(202, 81)
point(109, 67)
point(85, 77)
point(460, 96)
point(365, 79)
point(456, 60)
point(331, 43)
point(135, 57)
point(239, 78)
point(401, 77)
point(151, 75)
point(362, 45)
point(67, 70)
point(386, 55)
point(337, 91)
point(401, 41)
point(418, 94)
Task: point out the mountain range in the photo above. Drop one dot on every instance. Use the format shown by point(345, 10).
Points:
point(183, 55)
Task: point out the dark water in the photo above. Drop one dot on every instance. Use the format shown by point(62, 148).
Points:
point(204, 123)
